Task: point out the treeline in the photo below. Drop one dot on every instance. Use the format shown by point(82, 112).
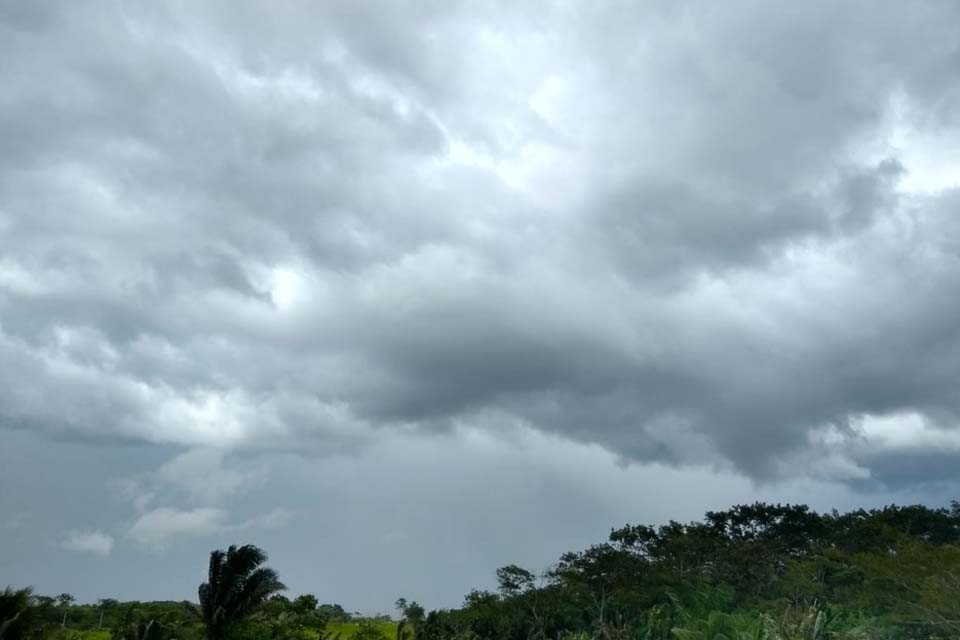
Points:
point(753, 571)
point(57, 618)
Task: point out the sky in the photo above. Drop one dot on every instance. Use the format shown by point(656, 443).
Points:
point(404, 292)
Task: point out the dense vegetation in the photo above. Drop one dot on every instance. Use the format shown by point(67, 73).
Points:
point(753, 572)
point(279, 618)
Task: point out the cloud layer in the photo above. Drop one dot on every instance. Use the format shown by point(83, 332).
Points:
point(691, 234)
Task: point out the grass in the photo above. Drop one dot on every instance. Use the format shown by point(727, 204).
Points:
point(348, 629)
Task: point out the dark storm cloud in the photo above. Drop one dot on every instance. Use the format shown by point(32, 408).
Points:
point(684, 232)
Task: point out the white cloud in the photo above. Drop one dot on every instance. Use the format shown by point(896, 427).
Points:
point(96, 542)
point(202, 477)
point(201, 474)
point(156, 527)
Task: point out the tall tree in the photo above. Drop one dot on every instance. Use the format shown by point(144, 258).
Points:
point(237, 585)
point(105, 604)
point(65, 600)
point(412, 616)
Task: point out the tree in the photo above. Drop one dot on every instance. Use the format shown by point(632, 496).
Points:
point(237, 585)
point(15, 609)
point(367, 630)
point(65, 600)
point(412, 616)
point(307, 603)
point(513, 580)
point(602, 571)
point(105, 604)
point(333, 612)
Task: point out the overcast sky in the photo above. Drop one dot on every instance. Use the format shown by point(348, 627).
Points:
point(403, 292)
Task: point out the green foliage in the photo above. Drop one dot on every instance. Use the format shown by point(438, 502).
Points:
point(718, 625)
point(349, 630)
point(334, 613)
point(15, 613)
point(305, 604)
point(757, 571)
point(752, 572)
point(237, 586)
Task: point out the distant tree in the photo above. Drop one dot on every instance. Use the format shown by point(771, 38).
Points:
point(105, 604)
point(64, 600)
point(306, 603)
point(281, 619)
point(412, 616)
point(514, 580)
point(334, 612)
point(237, 585)
point(276, 605)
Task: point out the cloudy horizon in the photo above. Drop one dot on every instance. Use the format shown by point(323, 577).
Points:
point(406, 292)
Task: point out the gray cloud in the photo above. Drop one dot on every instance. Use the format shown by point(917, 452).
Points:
point(696, 236)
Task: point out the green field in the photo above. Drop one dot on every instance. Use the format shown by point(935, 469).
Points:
point(348, 629)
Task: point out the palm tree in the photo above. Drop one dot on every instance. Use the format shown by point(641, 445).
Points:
point(236, 587)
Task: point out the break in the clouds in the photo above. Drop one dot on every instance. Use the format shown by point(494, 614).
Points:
point(695, 235)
